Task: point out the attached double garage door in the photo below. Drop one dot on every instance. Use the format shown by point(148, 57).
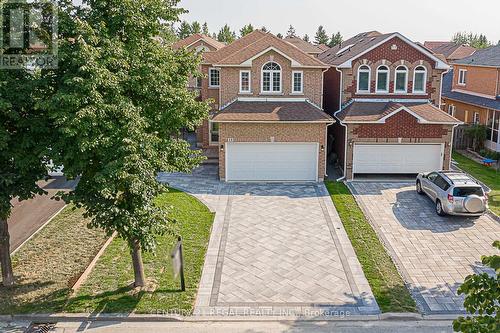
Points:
point(271, 161)
point(397, 159)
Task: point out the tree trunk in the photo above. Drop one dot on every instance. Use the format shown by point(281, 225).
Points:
point(140, 280)
point(6, 264)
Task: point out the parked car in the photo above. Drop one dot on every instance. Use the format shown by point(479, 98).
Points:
point(453, 193)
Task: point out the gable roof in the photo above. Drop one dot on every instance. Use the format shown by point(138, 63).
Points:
point(378, 112)
point(305, 46)
point(342, 55)
point(256, 43)
point(450, 50)
point(190, 40)
point(484, 57)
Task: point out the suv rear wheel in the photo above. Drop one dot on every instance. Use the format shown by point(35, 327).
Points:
point(419, 188)
point(439, 208)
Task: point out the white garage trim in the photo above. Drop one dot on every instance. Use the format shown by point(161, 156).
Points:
point(279, 155)
point(396, 158)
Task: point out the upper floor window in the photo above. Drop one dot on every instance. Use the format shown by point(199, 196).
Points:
point(419, 79)
point(401, 79)
point(462, 76)
point(382, 79)
point(271, 78)
point(297, 82)
point(213, 77)
point(451, 110)
point(364, 79)
point(244, 81)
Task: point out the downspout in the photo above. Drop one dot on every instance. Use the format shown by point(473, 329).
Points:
point(451, 145)
point(342, 124)
point(441, 86)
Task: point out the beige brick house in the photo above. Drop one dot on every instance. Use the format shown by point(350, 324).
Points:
point(267, 122)
point(385, 91)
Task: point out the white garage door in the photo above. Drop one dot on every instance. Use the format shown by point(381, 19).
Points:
point(271, 161)
point(397, 158)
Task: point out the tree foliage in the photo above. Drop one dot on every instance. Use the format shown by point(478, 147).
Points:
point(204, 29)
point(335, 40)
point(246, 30)
point(184, 30)
point(478, 135)
point(321, 37)
point(279, 35)
point(225, 35)
point(306, 38)
point(468, 38)
point(482, 293)
point(195, 27)
point(291, 31)
point(119, 103)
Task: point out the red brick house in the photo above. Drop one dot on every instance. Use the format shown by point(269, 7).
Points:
point(384, 90)
point(267, 121)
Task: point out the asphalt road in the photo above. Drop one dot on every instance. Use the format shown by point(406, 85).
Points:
point(29, 215)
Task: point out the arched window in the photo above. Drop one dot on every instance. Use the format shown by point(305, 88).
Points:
point(271, 78)
point(401, 79)
point(364, 79)
point(419, 79)
point(382, 85)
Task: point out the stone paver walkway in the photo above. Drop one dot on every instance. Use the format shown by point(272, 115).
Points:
point(275, 249)
point(434, 253)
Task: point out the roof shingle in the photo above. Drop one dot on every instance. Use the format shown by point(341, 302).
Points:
point(194, 38)
point(272, 112)
point(375, 111)
point(484, 57)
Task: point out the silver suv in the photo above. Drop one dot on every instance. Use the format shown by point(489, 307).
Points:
point(453, 192)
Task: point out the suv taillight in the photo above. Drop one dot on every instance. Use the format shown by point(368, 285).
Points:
point(450, 198)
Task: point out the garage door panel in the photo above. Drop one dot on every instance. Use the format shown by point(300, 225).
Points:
point(397, 158)
point(271, 162)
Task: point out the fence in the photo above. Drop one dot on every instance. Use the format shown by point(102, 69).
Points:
point(460, 140)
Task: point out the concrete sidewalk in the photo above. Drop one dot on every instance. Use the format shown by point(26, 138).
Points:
point(251, 327)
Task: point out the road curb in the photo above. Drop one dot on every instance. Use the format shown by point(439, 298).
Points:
point(124, 317)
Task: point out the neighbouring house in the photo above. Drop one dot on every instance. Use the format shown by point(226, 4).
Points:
point(267, 121)
point(471, 92)
point(450, 50)
point(385, 91)
point(199, 43)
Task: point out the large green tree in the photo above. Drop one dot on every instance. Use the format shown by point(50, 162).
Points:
point(335, 40)
point(204, 29)
point(321, 37)
point(184, 30)
point(225, 35)
point(482, 295)
point(119, 103)
point(195, 27)
point(24, 138)
point(291, 31)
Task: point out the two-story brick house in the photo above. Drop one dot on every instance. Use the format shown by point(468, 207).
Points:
point(471, 92)
point(267, 122)
point(384, 90)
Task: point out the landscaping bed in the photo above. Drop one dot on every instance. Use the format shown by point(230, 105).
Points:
point(47, 266)
point(489, 176)
point(109, 288)
point(387, 285)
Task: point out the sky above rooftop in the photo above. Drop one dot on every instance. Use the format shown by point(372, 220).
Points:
point(421, 20)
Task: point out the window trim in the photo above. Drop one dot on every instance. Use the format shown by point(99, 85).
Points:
point(301, 91)
point(451, 108)
point(396, 71)
point(369, 71)
point(460, 76)
point(271, 78)
point(474, 118)
point(210, 70)
point(388, 71)
point(424, 80)
point(249, 91)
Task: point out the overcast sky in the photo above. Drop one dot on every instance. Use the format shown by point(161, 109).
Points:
point(419, 20)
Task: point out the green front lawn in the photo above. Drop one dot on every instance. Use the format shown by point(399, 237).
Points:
point(386, 283)
point(108, 288)
point(485, 174)
point(47, 266)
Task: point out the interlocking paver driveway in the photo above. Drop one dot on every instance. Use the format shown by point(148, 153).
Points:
point(434, 253)
point(277, 249)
